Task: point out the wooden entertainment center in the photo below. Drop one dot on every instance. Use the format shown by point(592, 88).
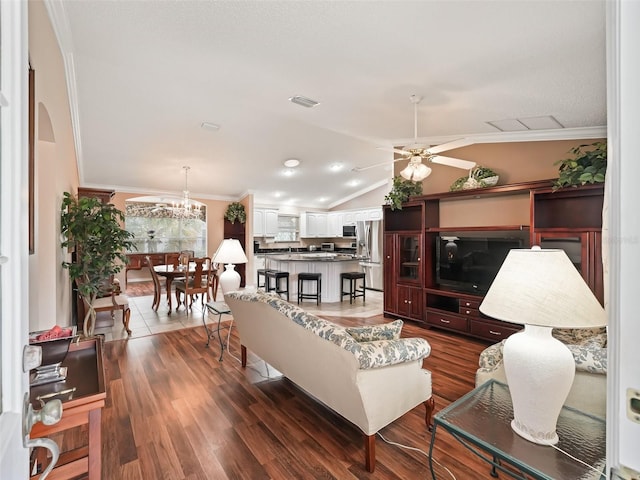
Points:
point(570, 218)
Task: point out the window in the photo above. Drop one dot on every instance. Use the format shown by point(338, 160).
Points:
point(161, 227)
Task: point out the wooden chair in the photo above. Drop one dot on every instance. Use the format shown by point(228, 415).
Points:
point(213, 281)
point(171, 259)
point(195, 283)
point(157, 286)
point(112, 302)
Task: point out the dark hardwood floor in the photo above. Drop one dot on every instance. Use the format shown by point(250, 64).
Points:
point(174, 411)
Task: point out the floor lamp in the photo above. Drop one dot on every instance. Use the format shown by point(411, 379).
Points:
point(541, 289)
point(230, 253)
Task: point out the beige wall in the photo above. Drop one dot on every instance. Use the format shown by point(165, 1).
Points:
point(55, 172)
point(514, 162)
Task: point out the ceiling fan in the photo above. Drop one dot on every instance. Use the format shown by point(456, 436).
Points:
point(416, 170)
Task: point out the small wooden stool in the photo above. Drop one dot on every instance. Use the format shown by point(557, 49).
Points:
point(354, 291)
point(311, 277)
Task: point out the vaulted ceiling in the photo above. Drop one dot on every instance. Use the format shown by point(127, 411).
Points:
point(145, 76)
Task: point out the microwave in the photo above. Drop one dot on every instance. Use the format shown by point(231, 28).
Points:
point(348, 230)
point(327, 247)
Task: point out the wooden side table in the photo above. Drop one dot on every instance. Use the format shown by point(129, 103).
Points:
point(83, 395)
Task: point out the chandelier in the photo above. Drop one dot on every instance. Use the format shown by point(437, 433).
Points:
point(186, 208)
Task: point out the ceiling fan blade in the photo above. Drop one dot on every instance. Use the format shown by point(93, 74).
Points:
point(463, 142)
point(395, 150)
point(452, 162)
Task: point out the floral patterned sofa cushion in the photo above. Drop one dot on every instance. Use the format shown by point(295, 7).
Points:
point(588, 347)
point(371, 333)
point(382, 350)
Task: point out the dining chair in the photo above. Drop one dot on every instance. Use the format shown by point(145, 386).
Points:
point(213, 281)
point(171, 259)
point(195, 283)
point(157, 286)
point(185, 257)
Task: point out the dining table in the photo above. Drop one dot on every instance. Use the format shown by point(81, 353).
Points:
point(171, 272)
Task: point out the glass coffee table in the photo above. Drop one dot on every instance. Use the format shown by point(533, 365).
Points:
point(481, 421)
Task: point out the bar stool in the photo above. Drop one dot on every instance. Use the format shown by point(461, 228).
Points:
point(262, 272)
point(311, 277)
point(354, 291)
point(277, 275)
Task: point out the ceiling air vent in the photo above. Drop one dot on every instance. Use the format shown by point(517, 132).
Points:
point(304, 101)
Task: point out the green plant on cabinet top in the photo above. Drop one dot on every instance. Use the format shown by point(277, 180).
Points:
point(401, 191)
point(235, 211)
point(587, 165)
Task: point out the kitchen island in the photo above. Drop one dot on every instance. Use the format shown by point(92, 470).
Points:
point(330, 265)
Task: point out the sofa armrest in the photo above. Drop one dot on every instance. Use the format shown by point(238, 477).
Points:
point(491, 357)
point(383, 353)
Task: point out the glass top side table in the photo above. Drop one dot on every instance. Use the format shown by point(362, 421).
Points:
point(217, 308)
point(482, 420)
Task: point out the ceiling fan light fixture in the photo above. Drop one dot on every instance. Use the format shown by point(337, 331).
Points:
point(416, 172)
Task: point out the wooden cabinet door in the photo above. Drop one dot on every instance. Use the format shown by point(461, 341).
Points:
point(388, 264)
point(409, 252)
point(583, 249)
point(410, 302)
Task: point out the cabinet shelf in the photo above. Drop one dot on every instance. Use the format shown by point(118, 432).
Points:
point(491, 228)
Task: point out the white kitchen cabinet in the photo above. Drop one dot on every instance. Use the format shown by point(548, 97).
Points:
point(265, 222)
point(313, 225)
point(258, 222)
point(270, 223)
point(334, 221)
point(349, 217)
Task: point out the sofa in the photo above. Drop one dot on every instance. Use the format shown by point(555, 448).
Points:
point(368, 375)
point(589, 348)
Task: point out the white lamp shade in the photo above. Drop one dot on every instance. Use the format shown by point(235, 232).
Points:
point(541, 289)
point(230, 251)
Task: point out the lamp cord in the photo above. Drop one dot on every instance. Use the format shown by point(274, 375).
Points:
point(601, 475)
point(407, 447)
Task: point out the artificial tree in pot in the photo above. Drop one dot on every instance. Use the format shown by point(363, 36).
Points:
point(93, 231)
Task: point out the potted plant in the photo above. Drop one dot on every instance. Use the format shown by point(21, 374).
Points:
point(479, 177)
point(235, 211)
point(400, 192)
point(92, 230)
point(588, 164)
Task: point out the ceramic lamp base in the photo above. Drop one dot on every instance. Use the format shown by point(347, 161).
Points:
point(229, 279)
point(539, 371)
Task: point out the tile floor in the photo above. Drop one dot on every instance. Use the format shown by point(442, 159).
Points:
point(144, 321)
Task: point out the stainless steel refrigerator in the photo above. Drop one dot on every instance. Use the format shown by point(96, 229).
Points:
point(369, 249)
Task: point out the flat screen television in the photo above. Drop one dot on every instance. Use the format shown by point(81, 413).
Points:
point(469, 264)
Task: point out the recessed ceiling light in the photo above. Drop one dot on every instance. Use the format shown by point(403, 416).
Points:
point(287, 172)
point(291, 162)
point(354, 183)
point(303, 101)
point(335, 167)
point(323, 199)
point(210, 126)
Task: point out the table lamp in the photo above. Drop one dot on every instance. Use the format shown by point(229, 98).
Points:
point(541, 289)
point(230, 253)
